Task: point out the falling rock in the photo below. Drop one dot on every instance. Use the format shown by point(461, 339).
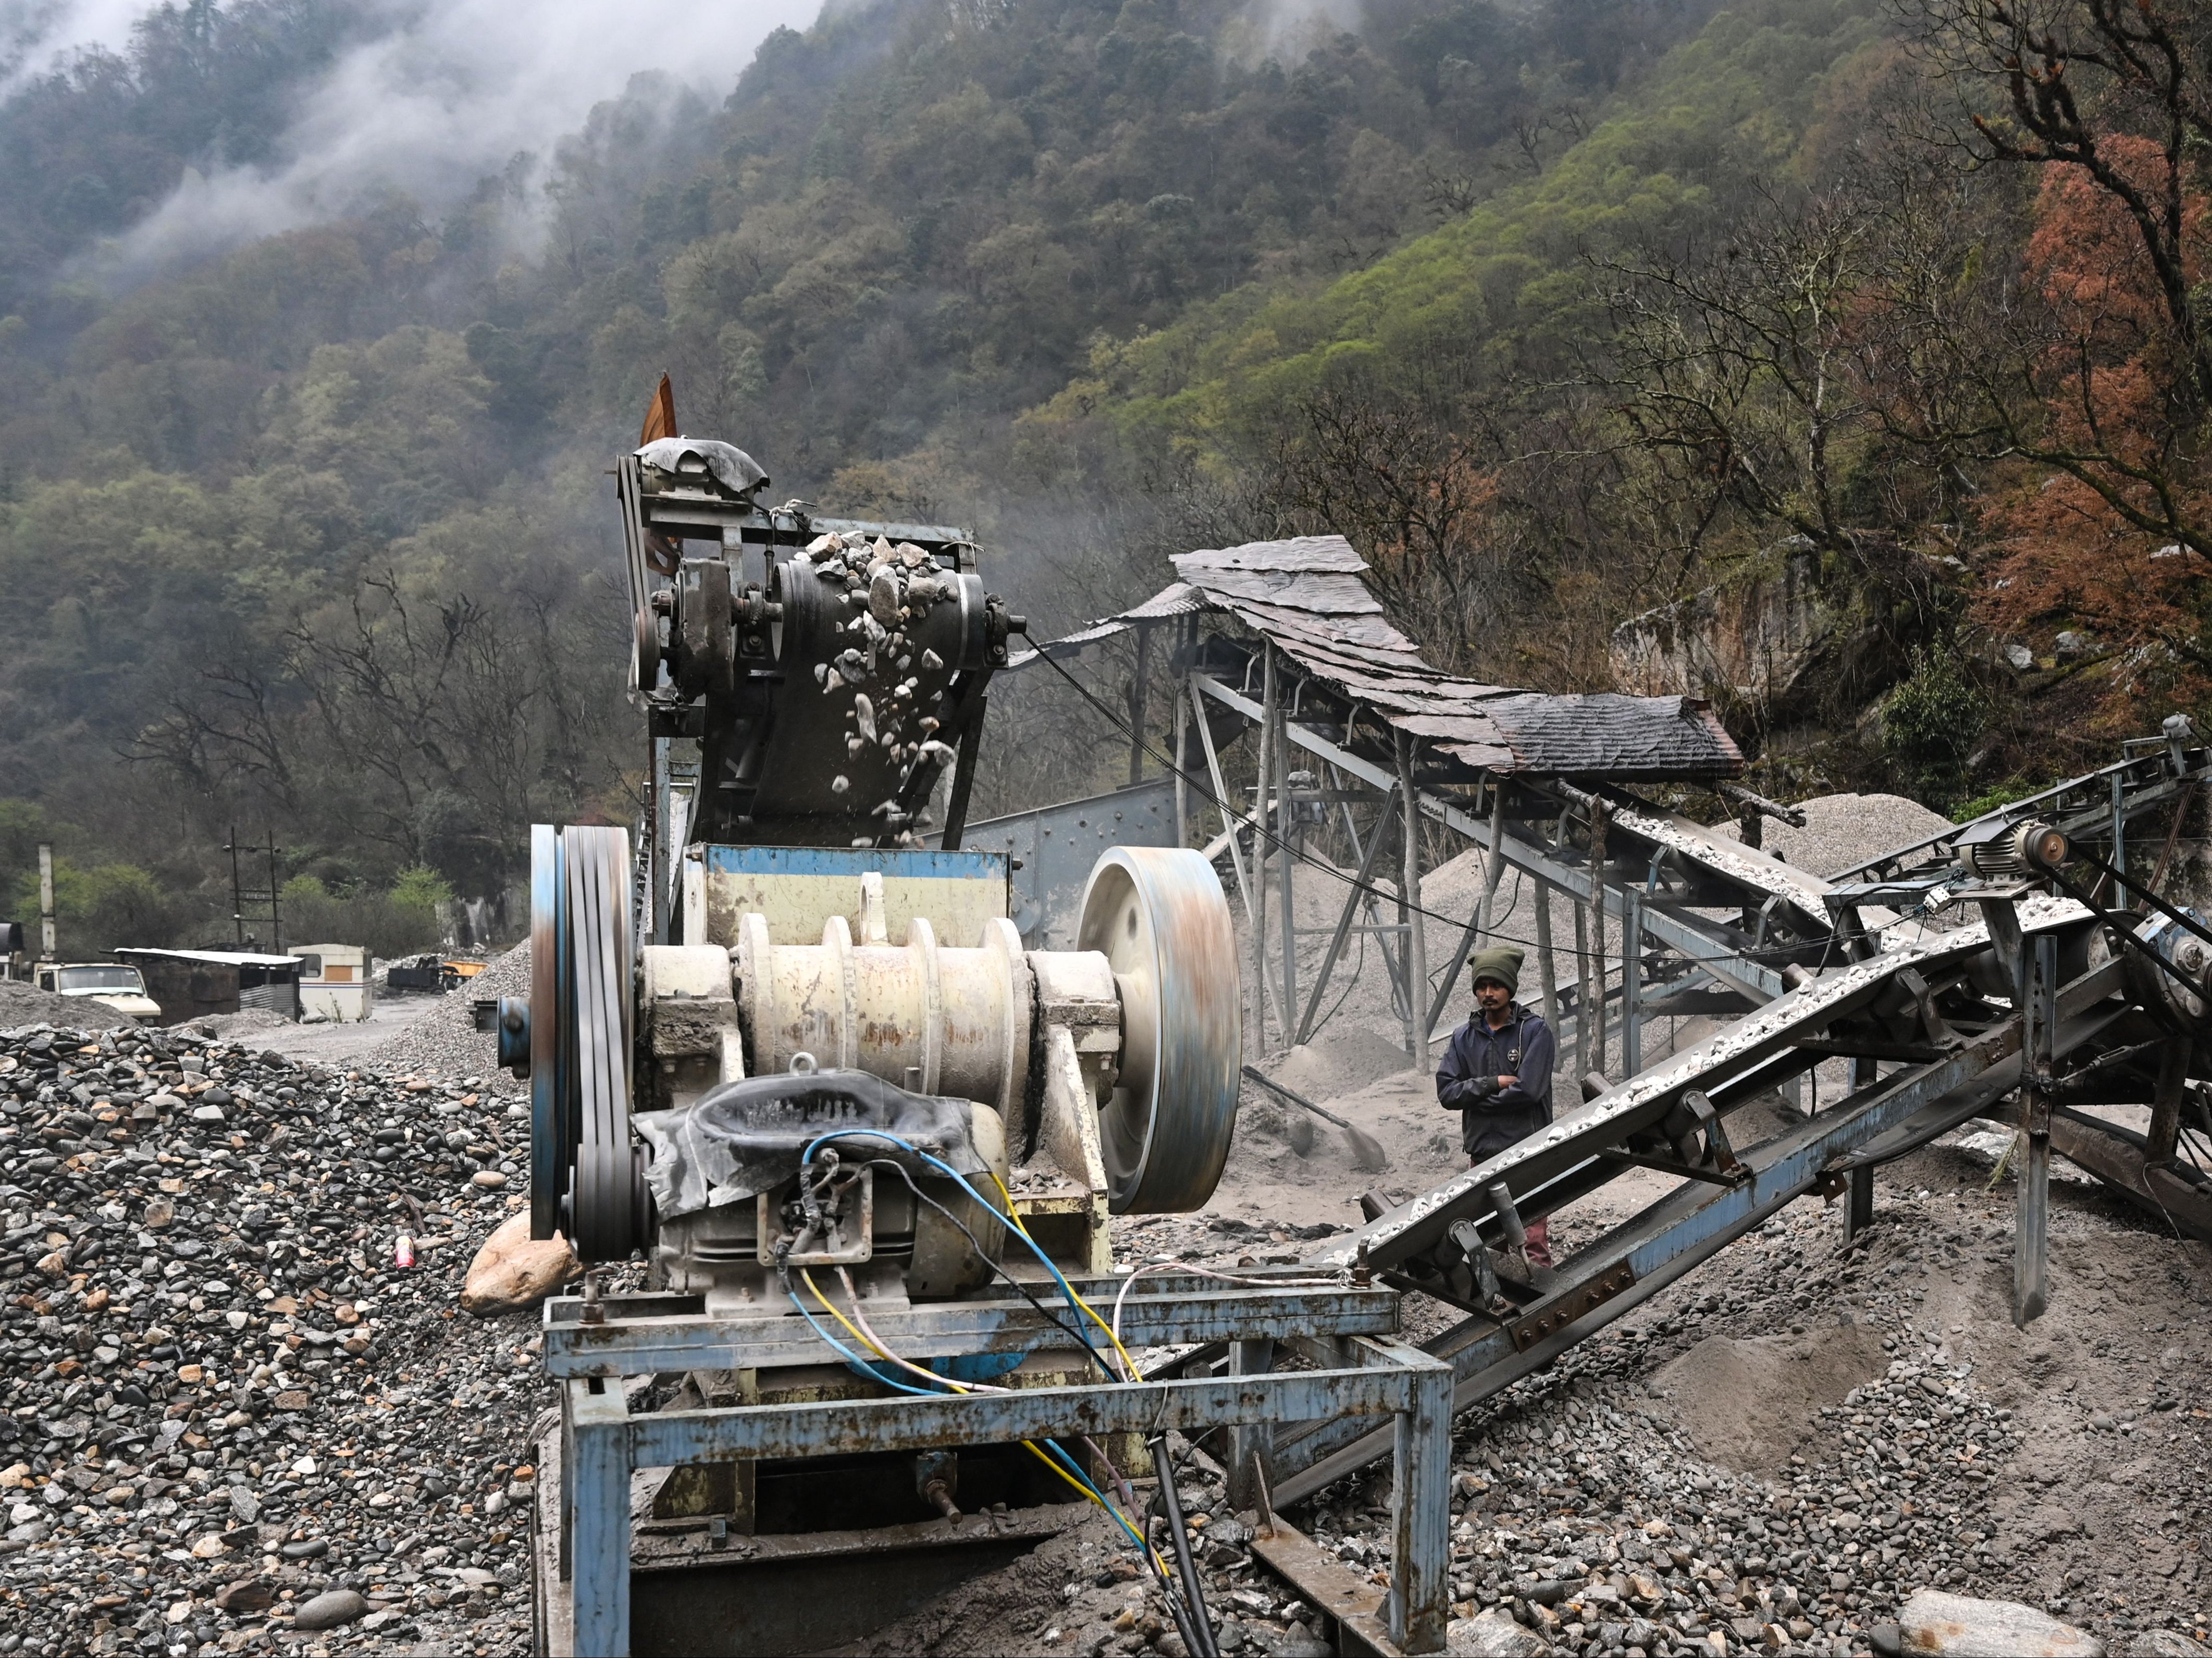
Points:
point(514, 1271)
point(884, 597)
point(1493, 1635)
point(1934, 1624)
point(329, 1610)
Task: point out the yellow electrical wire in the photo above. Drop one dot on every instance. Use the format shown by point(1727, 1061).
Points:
point(1135, 1375)
point(1011, 1216)
point(881, 1351)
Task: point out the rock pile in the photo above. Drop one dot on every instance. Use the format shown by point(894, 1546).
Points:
point(227, 1415)
point(445, 1042)
point(1774, 1456)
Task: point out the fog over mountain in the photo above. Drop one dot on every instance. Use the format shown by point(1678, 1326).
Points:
point(426, 101)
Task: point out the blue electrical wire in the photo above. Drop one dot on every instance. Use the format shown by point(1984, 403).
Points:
point(851, 1357)
point(1066, 1289)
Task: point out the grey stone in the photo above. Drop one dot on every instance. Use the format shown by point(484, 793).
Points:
point(2166, 1644)
point(1934, 1624)
point(1493, 1634)
point(330, 1609)
point(1299, 1642)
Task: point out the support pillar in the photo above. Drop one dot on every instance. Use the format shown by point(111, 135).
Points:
point(1183, 702)
point(1285, 841)
point(2165, 1134)
point(1547, 969)
point(1858, 1202)
point(1597, 926)
point(1581, 991)
point(2031, 1285)
point(1137, 706)
point(1417, 976)
point(595, 1502)
point(1631, 991)
point(1259, 847)
point(1420, 1515)
point(1251, 1446)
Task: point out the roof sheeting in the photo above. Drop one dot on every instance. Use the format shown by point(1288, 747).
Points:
point(220, 957)
point(1309, 597)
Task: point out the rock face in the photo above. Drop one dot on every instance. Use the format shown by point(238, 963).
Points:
point(513, 1271)
point(1768, 638)
point(1937, 1625)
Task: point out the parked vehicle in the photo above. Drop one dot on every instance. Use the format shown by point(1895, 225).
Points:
point(110, 983)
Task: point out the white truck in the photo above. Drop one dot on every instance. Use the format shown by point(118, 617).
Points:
point(110, 983)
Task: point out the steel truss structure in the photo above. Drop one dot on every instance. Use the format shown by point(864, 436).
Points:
point(1950, 996)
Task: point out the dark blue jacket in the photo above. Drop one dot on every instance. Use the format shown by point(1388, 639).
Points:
point(1492, 1118)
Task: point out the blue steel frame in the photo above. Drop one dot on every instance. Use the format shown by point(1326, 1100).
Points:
point(602, 1444)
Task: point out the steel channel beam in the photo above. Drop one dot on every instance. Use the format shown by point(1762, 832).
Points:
point(639, 1346)
point(831, 1427)
point(1714, 955)
point(1580, 1134)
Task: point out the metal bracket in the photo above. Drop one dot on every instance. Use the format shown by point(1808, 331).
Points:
point(1528, 1332)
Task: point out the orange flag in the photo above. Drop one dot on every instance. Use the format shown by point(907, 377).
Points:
point(659, 415)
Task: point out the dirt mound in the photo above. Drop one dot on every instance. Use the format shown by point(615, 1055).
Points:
point(1747, 1402)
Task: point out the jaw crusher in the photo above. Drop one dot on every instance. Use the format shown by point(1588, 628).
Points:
point(786, 1048)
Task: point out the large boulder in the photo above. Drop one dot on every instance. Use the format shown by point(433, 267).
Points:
point(1937, 1625)
point(514, 1271)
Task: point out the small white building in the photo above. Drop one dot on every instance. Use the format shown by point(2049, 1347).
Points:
point(334, 983)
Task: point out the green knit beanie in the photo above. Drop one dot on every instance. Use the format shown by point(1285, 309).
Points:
point(1499, 962)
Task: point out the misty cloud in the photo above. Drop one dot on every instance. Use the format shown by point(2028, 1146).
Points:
point(451, 91)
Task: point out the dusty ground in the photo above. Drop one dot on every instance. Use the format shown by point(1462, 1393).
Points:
point(1792, 1438)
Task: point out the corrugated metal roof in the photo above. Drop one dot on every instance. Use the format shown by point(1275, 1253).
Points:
point(1309, 597)
point(222, 957)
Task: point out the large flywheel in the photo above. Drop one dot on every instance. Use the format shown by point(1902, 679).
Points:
point(1159, 915)
point(586, 1171)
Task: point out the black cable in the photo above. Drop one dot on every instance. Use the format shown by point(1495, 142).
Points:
point(1171, 1505)
point(1024, 1290)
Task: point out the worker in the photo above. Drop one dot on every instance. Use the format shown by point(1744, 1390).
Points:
point(1498, 1072)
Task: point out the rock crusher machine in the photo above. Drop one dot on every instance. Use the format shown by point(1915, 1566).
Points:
point(800, 1063)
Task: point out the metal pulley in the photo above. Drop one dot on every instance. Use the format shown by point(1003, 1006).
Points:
point(1159, 917)
point(2180, 997)
point(587, 1177)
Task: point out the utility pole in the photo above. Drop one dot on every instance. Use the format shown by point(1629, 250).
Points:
point(261, 900)
point(45, 900)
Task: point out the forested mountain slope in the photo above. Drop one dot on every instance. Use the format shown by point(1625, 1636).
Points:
point(1528, 300)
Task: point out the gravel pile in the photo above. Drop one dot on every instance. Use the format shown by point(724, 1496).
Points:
point(23, 1004)
point(230, 1419)
point(1844, 830)
point(445, 1041)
